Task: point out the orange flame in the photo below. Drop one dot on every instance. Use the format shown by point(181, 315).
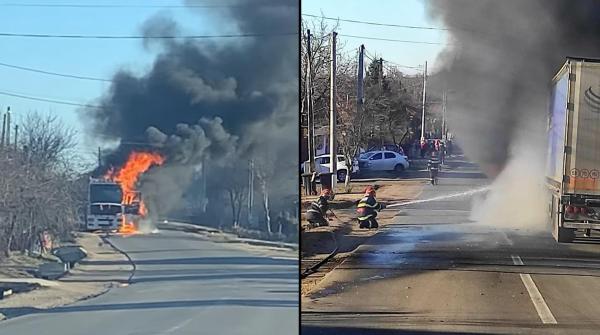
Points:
point(128, 175)
point(127, 227)
point(143, 210)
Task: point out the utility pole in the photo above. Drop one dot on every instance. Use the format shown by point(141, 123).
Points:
point(380, 73)
point(16, 135)
point(99, 157)
point(7, 139)
point(309, 113)
point(3, 130)
point(360, 98)
point(204, 174)
point(333, 114)
point(444, 132)
point(360, 79)
point(250, 189)
point(424, 95)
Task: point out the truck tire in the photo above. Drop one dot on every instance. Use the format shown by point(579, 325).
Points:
point(563, 235)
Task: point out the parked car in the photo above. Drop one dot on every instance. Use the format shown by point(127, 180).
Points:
point(322, 165)
point(382, 160)
point(388, 147)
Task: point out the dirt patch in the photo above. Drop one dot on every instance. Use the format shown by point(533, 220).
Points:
point(86, 280)
point(19, 266)
point(318, 243)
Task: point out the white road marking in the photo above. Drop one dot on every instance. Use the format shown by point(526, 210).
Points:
point(536, 297)
point(179, 326)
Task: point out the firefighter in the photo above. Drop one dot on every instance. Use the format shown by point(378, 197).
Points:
point(434, 168)
point(367, 209)
point(317, 213)
point(423, 145)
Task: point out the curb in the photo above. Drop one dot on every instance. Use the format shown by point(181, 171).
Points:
point(282, 245)
point(192, 228)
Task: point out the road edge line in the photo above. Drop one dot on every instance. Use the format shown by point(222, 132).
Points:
point(534, 294)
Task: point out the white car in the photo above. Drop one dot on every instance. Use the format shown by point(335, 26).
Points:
point(383, 160)
point(322, 165)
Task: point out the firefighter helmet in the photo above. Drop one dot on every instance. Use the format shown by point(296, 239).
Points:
point(370, 190)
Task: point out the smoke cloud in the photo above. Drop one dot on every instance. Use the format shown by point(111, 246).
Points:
point(210, 104)
point(501, 59)
point(498, 70)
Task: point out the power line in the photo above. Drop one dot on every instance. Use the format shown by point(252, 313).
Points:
point(405, 66)
point(27, 97)
point(123, 37)
point(375, 23)
point(53, 73)
point(393, 63)
point(72, 5)
point(372, 58)
point(392, 40)
point(377, 60)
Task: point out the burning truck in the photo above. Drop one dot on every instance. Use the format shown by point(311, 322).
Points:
point(104, 208)
point(114, 203)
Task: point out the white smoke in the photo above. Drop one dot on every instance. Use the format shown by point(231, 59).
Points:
point(517, 197)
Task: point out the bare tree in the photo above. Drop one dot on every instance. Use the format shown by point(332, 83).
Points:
point(263, 175)
point(237, 190)
point(321, 58)
point(37, 181)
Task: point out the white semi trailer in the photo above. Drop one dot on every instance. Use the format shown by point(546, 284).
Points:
point(573, 164)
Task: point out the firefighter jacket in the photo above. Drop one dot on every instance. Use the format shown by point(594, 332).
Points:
point(318, 208)
point(367, 208)
point(434, 164)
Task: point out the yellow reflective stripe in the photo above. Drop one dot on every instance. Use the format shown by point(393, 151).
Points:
point(362, 218)
point(364, 204)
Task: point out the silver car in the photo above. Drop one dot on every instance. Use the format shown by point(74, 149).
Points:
point(383, 160)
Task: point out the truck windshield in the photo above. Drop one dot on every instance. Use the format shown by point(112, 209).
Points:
point(105, 193)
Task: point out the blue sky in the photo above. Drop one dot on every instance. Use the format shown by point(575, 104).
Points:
point(401, 12)
point(101, 58)
point(93, 58)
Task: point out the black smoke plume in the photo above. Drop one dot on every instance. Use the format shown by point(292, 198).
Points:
point(500, 62)
point(212, 103)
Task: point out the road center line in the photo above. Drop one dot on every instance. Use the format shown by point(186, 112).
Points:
point(536, 297)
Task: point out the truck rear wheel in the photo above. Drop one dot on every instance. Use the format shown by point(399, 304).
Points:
point(563, 235)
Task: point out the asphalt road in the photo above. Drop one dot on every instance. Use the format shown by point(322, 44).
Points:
point(183, 284)
point(437, 272)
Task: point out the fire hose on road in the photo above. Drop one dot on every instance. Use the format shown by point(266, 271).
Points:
point(313, 268)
